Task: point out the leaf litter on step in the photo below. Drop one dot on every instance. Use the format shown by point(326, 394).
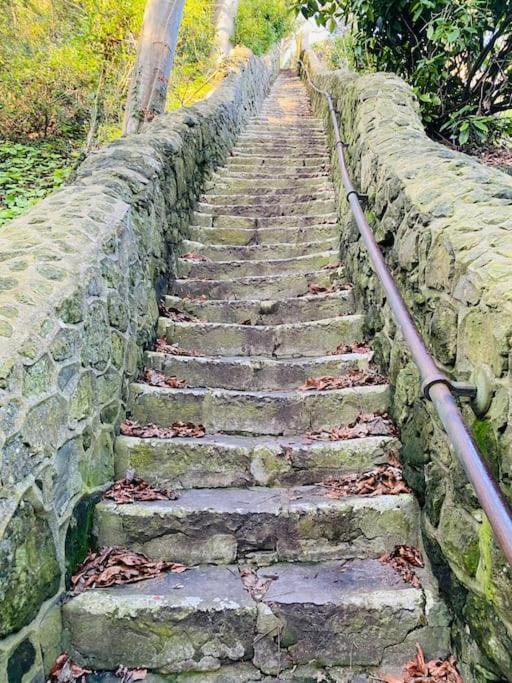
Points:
point(418, 670)
point(342, 349)
point(366, 424)
point(115, 565)
point(256, 585)
point(162, 346)
point(402, 559)
point(155, 378)
point(132, 489)
point(153, 431)
point(353, 378)
point(386, 479)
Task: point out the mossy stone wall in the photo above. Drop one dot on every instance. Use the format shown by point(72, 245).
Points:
point(80, 278)
point(444, 223)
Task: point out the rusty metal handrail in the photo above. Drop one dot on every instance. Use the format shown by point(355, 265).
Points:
point(436, 386)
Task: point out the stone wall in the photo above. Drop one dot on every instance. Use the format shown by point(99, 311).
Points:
point(444, 222)
point(80, 276)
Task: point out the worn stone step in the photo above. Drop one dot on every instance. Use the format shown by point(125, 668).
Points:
point(285, 207)
point(234, 269)
point(267, 312)
point(255, 412)
point(221, 526)
point(263, 198)
point(275, 166)
point(295, 156)
point(289, 340)
point(279, 149)
point(259, 252)
point(252, 236)
point(358, 613)
point(258, 188)
point(269, 175)
point(256, 373)
point(222, 460)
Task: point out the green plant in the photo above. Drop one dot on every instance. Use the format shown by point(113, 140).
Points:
point(28, 172)
point(457, 55)
point(262, 23)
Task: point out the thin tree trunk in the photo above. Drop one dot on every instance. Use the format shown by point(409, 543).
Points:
point(225, 17)
point(155, 56)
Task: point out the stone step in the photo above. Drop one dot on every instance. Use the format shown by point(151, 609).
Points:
point(296, 155)
point(256, 373)
point(289, 340)
point(275, 413)
point(221, 460)
point(263, 198)
point(222, 526)
point(267, 312)
point(288, 149)
point(231, 221)
point(275, 166)
point(259, 252)
point(357, 613)
point(252, 236)
point(262, 187)
point(235, 269)
point(269, 175)
point(289, 206)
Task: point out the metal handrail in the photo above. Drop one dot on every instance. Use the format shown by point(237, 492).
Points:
point(436, 386)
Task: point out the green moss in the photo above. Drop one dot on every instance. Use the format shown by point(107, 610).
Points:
point(484, 574)
point(486, 440)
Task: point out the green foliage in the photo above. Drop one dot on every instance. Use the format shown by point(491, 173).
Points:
point(29, 172)
point(60, 61)
point(194, 64)
point(262, 23)
point(457, 55)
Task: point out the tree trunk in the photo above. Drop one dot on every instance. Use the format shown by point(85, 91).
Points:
point(155, 56)
point(225, 16)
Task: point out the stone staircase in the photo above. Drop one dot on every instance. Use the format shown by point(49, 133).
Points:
point(250, 512)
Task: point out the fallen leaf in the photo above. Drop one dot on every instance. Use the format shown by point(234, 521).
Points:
point(132, 489)
point(417, 670)
point(358, 347)
point(257, 586)
point(371, 424)
point(114, 565)
point(129, 675)
point(402, 559)
point(194, 256)
point(382, 480)
point(155, 378)
point(65, 670)
point(314, 288)
point(153, 431)
point(162, 346)
point(176, 315)
point(353, 378)
point(332, 266)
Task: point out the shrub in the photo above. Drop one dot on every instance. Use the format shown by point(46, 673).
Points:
point(262, 23)
point(456, 54)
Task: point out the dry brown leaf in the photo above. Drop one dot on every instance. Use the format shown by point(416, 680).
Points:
point(402, 559)
point(417, 670)
point(65, 670)
point(194, 256)
point(130, 675)
point(153, 431)
point(358, 347)
point(155, 378)
point(132, 489)
point(114, 565)
point(382, 480)
point(353, 378)
point(332, 266)
point(368, 424)
point(176, 315)
point(255, 585)
point(315, 288)
point(162, 346)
